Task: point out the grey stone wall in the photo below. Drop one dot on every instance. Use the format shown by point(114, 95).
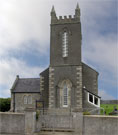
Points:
point(51, 88)
point(83, 125)
point(12, 102)
point(12, 123)
point(20, 124)
point(19, 101)
point(57, 75)
point(55, 121)
point(90, 78)
point(30, 121)
point(100, 125)
point(74, 44)
point(109, 101)
point(44, 87)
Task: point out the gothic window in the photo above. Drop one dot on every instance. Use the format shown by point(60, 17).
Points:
point(25, 99)
point(65, 95)
point(65, 44)
point(29, 99)
point(64, 87)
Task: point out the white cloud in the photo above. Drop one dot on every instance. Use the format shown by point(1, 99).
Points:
point(104, 95)
point(22, 21)
point(5, 93)
point(103, 51)
point(11, 67)
point(26, 20)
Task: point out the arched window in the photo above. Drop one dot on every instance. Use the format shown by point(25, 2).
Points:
point(65, 95)
point(64, 87)
point(29, 99)
point(25, 99)
point(65, 44)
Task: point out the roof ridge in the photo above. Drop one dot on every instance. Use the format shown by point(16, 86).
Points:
point(29, 78)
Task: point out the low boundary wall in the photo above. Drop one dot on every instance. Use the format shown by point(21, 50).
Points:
point(55, 121)
point(12, 123)
point(100, 125)
point(26, 124)
point(109, 101)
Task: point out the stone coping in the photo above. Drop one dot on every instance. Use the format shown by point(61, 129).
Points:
point(12, 113)
point(58, 129)
point(101, 116)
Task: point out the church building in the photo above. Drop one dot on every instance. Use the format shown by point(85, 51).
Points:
point(68, 83)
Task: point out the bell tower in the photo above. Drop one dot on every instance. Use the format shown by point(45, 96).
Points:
point(65, 71)
point(65, 44)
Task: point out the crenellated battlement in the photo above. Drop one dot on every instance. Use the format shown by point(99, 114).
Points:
point(65, 19)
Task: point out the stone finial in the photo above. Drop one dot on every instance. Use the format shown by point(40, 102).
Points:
point(17, 76)
point(77, 12)
point(77, 7)
point(53, 15)
point(53, 10)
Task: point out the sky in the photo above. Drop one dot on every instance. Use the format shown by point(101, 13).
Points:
point(25, 40)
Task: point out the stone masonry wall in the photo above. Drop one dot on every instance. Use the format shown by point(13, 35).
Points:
point(19, 101)
point(109, 101)
point(12, 123)
point(90, 79)
point(100, 125)
point(44, 87)
point(79, 87)
point(56, 76)
point(51, 88)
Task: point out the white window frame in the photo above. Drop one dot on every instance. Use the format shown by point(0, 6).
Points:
point(65, 105)
point(65, 44)
point(93, 103)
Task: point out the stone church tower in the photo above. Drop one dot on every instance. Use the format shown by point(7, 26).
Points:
point(67, 84)
point(65, 70)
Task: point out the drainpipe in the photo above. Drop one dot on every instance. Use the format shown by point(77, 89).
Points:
point(14, 102)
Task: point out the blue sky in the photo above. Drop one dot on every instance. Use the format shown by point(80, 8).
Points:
point(25, 39)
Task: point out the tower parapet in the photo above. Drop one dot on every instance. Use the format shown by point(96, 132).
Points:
point(65, 19)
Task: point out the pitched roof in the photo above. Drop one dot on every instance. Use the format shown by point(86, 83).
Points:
point(91, 92)
point(24, 85)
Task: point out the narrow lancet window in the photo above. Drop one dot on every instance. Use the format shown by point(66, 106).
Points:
point(65, 44)
point(65, 95)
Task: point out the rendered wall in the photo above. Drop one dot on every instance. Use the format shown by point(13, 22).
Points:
point(100, 125)
point(90, 79)
point(12, 123)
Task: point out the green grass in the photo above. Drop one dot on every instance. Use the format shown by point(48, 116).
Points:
point(108, 108)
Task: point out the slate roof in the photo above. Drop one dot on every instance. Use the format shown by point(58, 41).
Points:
point(26, 85)
point(91, 92)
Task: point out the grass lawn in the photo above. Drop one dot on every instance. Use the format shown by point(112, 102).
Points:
point(108, 108)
